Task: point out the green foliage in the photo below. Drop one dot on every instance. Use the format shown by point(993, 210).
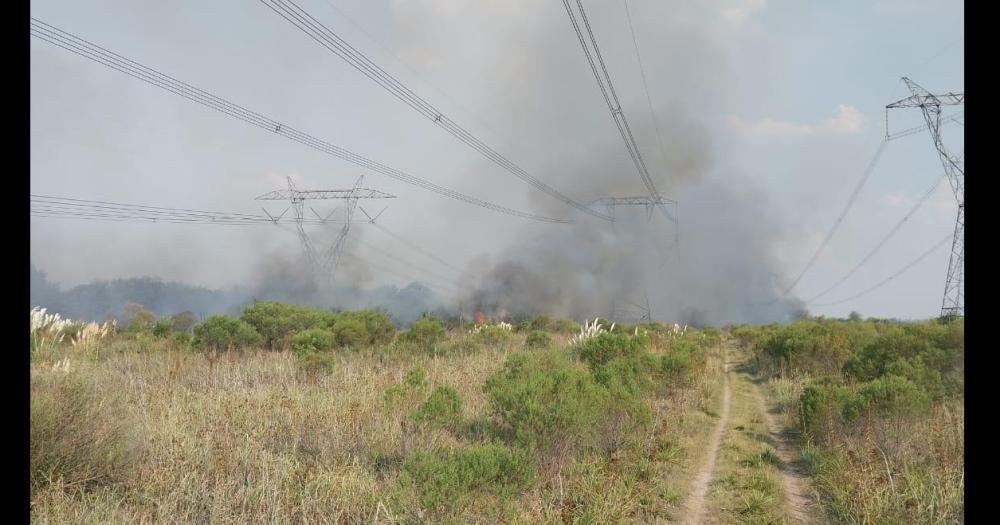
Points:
point(443, 409)
point(377, 326)
point(415, 378)
point(350, 333)
point(138, 318)
point(894, 395)
point(599, 350)
point(181, 339)
point(545, 323)
point(446, 480)
point(162, 328)
point(313, 341)
point(492, 335)
point(425, 332)
point(219, 332)
point(544, 402)
point(464, 345)
point(538, 339)
point(276, 322)
point(317, 362)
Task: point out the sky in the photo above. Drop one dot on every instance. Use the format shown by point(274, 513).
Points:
point(786, 98)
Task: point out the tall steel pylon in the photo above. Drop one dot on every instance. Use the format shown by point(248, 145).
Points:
point(953, 302)
point(325, 264)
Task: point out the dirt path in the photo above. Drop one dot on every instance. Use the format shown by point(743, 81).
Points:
point(801, 507)
point(695, 505)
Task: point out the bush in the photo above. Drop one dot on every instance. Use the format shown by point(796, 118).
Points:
point(445, 480)
point(599, 350)
point(894, 395)
point(416, 379)
point(377, 325)
point(350, 333)
point(139, 319)
point(543, 402)
point(276, 321)
point(316, 362)
point(538, 339)
point(162, 328)
point(443, 409)
point(219, 332)
point(181, 339)
point(425, 332)
point(313, 341)
point(492, 335)
point(465, 345)
point(183, 322)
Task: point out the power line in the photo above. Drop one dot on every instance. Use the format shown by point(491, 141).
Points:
point(645, 86)
point(954, 117)
point(312, 27)
point(840, 218)
point(891, 277)
point(418, 249)
point(72, 207)
point(134, 69)
point(394, 258)
point(611, 98)
point(882, 242)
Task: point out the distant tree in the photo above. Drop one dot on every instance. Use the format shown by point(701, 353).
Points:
point(854, 317)
point(184, 321)
point(138, 317)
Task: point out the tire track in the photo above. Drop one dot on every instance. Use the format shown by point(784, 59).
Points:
point(695, 505)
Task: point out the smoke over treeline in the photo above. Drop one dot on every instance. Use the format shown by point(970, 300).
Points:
point(94, 301)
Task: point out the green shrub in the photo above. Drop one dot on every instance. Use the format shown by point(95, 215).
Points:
point(162, 328)
point(317, 362)
point(377, 324)
point(464, 345)
point(181, 339)
point(219, 332)
point(822, 405)
point(425, 332)
point(543, 402)
point(350, 333)
point(443, 409)
point(599, 350)
point(538, 339)
point(415, 378)
point(276, 321)
point(446, 480)
point(492, 335)
point(894, 395)
point(633, 375)
point(313, 341)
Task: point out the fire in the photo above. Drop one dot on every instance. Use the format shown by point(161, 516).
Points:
point(480, 318)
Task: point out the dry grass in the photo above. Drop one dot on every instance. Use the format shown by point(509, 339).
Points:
point(897, 471)
point(143, 433)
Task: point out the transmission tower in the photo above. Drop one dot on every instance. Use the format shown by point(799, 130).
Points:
point(650, 202)
point(954, 292)
point(324, 264)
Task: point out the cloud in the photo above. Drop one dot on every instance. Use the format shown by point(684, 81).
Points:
point(847, 121)
point(898, 199)
point(741, 13)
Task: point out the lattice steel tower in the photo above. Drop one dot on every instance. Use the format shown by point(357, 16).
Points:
point(325, 264)
point(954, 291)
